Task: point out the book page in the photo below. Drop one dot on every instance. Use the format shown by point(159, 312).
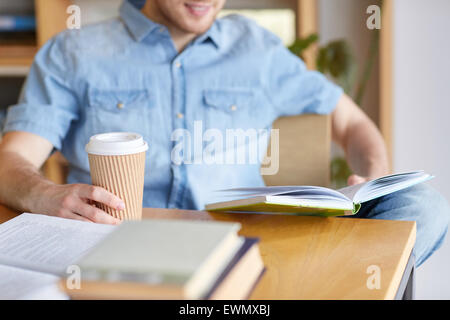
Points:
point(351, 191)
point(16, 283)
point(306, 192)
point(47, 244)
point(385, 185)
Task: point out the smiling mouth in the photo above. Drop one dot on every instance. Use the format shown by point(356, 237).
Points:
point(198, 9)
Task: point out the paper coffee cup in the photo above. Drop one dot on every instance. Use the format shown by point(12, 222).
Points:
point(117, 163)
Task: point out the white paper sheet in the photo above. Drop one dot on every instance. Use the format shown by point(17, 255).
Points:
point(47, 244)
point(16, 283)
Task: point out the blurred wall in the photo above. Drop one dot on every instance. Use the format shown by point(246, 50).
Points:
point(16, 6)
point(422, 112)
point(346, 19)
point(97, 10)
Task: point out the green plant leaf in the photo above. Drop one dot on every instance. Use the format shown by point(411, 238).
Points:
point(337, 60)
point(340, 171)
point(301, 44)
point(322, 60)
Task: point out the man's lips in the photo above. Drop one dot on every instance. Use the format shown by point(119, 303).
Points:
point(198, 9)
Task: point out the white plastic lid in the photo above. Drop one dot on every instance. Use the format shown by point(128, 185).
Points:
point(116, 144)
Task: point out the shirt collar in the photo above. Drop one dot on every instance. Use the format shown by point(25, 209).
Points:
point(212, 34)
point(137, 23)
point(140, 26)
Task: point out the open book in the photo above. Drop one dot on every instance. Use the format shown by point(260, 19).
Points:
point(40, 255)
point(313, 200)
point(35, 251)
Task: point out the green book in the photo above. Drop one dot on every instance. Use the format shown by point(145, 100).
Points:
point(314, 200)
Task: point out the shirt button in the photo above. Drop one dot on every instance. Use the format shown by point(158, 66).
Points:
point(233, 107)
point(178, 64)
point(180, 115)
point(120, 105)
point(161, 30)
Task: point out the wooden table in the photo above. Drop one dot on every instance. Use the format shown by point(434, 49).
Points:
point(317, 258)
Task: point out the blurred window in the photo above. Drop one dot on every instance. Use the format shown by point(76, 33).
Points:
point(279, 21)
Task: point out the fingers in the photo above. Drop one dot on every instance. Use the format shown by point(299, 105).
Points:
point(101, 195)
point(70, 215)
point(76, 216)
point(75, 202)
point(94, 214)
point(355, 179)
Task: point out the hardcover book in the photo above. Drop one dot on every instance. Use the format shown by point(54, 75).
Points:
point(314, 200)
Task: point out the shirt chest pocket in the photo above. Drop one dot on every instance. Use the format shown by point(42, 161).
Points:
point(229, 108)
point(119, 110)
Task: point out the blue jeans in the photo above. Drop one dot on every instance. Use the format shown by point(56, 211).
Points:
point(420, 203)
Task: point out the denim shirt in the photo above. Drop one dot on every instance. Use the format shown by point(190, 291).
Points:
point(125, 74)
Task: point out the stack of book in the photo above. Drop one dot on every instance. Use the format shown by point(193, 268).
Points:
point(17, 30)
point(170, 259)
point(13, 23)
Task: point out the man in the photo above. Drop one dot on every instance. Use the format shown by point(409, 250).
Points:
point(163, 68)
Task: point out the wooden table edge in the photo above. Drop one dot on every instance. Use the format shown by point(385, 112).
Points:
point(7, 214)
point(391, 292)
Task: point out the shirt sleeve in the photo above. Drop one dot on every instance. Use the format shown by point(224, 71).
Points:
point(47, 104)
point(293, 89)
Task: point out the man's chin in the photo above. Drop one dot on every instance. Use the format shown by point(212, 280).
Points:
point(197, 28)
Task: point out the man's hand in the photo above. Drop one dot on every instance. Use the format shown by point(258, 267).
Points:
point(72, 201)
point(23, 187)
